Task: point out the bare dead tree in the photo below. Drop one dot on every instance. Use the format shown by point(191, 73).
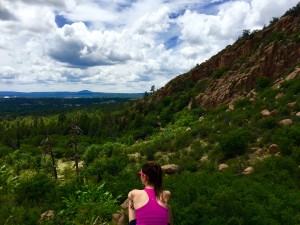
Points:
point(48, 145)
point(75, 131)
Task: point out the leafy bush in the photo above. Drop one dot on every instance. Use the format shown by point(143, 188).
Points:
point(267, 123)
point(262, 83)
point(287, 138)
point(235, 142)
point(219, 72)
point(220, 198)
point(91, 153)
point(90, 204)
point(35, 189)
point(8, 180)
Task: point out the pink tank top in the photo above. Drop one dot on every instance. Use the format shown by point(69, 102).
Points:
point(152, 213)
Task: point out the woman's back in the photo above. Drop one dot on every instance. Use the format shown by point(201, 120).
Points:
point(151, 211)
point(150, 206)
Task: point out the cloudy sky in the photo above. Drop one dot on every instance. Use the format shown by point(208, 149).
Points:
point(118, 45)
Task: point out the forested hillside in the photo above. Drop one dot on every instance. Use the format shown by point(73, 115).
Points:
point(238, 156)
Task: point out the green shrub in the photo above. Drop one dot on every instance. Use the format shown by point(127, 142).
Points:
point(90, 204)
point(91, 153)
point(234, 142)
point(287, 138)
point(8, 180)
point(219, 72)
point(262, 83)
point(198, 148)
point(35, 189)
point(241, 103)
point(267, 123)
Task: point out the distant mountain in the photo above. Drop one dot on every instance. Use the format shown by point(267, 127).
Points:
point(79, 94)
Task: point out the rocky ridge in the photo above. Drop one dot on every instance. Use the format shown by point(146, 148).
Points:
point(273, 52)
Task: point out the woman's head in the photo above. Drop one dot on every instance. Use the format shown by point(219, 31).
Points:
point(153, 173)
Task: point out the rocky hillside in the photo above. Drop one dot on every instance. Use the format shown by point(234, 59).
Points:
point(273, 52)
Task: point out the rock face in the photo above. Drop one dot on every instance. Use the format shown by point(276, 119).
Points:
point(231, 73)
point(170, 168)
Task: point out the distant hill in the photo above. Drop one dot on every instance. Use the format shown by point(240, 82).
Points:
point(66, 94)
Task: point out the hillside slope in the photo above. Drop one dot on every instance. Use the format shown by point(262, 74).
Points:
point(273, 52)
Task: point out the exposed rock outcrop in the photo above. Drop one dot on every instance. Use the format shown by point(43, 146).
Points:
point(232, 72)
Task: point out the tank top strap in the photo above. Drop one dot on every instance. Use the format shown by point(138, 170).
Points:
point(151, 194)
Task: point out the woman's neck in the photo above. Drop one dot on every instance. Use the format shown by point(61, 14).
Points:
point(151, 186)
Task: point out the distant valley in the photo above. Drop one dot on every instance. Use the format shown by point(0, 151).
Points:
point(66, 94)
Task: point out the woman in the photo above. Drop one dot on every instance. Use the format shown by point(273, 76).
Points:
point(150, 205)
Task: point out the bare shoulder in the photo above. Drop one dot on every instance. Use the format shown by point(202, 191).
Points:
point(133, 193)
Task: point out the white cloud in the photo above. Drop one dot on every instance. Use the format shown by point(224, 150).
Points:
point(118, 46)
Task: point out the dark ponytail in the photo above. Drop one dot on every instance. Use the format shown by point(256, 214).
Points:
point(154, 172)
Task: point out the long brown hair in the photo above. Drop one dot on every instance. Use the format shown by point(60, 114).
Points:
point(154, 173)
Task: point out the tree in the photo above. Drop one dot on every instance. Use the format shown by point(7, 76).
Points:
point(75, 131)
point(48, 145)
point(152, 90)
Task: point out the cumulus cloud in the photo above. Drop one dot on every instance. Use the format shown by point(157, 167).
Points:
point(121, 45)
point(76, 45)
point(8, 74)
point(5, 14)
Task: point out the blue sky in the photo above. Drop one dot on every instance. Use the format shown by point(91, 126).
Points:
point(120, 45)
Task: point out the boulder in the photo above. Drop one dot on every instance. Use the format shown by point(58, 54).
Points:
point(119, 217)
point(274, 112)
point(248, 170)
point(279, 95)
point(265, 113)
point(223, 167)
point(291, 104)
point(204, 158)
point(286, 122)
point(47, 214)
point(170, 168)
point(298, 114)
point(273, 149)
point(259, 152)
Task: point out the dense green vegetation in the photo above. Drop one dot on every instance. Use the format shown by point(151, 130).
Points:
point(113, 142)
point(14, 107)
